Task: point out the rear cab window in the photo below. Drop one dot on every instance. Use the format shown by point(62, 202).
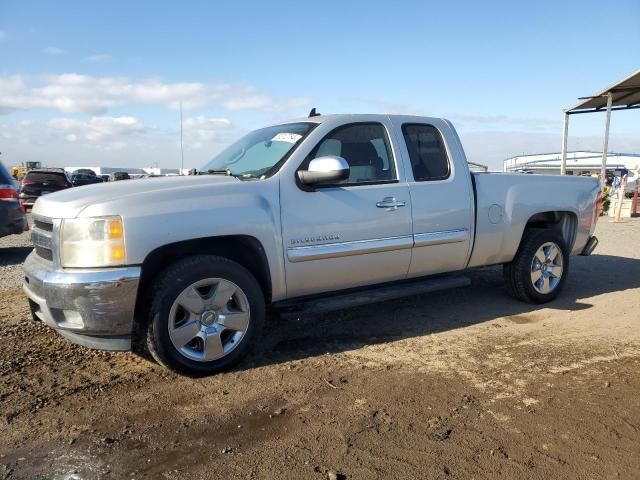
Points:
point(427, 152)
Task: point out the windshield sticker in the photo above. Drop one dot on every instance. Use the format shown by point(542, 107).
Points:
point(287, 137)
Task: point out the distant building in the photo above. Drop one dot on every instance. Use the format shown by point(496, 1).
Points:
point(133, 172)
point(477, 167)
point(161, 171)
point(108, 170)
point(578, 163)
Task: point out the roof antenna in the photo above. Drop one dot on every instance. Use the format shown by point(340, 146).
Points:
point(313, 113)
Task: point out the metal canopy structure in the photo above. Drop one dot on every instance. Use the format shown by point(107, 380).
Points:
point(622, 95)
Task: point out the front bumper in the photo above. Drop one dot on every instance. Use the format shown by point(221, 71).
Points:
point(94, 308)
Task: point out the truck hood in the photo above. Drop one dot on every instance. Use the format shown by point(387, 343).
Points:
point(70, 202)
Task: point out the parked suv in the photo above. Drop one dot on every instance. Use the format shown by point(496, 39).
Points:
point(119, 176)
point(79, 179)
point(40, 182)
point(86, 171)
point(12, 218)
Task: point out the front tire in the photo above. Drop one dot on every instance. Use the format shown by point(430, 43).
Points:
point(540, 267)
point(206, 315)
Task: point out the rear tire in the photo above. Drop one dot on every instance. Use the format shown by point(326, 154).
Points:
point(540, 267)
point(206, 315)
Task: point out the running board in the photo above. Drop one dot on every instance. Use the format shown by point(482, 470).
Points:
point(330, 303)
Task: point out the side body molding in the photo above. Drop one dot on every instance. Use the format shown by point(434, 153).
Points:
point(439, 238)
point(361, 247)
point(346, 249)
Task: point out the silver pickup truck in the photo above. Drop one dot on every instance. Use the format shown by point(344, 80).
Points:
point(303, 216)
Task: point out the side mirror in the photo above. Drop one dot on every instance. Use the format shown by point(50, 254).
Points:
point(329, 168)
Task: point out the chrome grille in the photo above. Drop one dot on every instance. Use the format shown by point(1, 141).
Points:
point(42, 237)
point(47, 225)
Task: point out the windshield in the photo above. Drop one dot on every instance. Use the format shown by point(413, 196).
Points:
point(259, 151)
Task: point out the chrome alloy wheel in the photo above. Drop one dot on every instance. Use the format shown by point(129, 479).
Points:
point(547, 268)
point(209, 319)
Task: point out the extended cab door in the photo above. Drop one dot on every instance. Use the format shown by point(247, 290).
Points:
point(355, 232)
point(441, 195)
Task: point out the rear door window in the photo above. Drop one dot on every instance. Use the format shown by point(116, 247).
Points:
point(428, 155)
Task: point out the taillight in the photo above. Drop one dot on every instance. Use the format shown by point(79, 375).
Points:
point(598, 207)
point(27, 182)
point(8, 194)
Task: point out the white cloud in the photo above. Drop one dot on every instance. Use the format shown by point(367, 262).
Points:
point(12, 84)
point(53, 51)
point(99, 58)
point(206, 123)
point(202, 129)
point(97, 129)
point(74, 93)
point(109, 141)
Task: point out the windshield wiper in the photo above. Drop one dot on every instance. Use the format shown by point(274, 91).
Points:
point(224, 171)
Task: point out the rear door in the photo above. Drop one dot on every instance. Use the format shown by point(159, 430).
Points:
point(348, 234)
point(441, 197)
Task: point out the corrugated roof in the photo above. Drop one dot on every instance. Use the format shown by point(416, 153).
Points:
point(626, 94)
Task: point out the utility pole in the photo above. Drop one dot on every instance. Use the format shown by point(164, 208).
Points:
point(181, 146)
point(605, 147)
point(565, 135)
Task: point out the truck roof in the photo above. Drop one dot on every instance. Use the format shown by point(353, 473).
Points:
point(356, 117)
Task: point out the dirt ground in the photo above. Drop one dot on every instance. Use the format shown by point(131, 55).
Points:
point(461, 384)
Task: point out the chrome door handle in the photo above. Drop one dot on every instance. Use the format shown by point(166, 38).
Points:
point(390, 203)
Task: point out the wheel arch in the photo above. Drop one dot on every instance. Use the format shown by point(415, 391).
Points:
point(564, 222)
point(242, 249)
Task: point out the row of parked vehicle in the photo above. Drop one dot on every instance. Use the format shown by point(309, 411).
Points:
point(41, 181)
point(12, 218)
point(16, 198)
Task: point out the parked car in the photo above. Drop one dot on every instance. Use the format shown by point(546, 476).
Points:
point(79, 179)
point(304, 216)
point(105, 178)
point(41, 182)
point(85, 171)
point(12, 218)
point(119, 176)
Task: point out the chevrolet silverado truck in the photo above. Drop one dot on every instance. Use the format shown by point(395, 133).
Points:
point(303, 216)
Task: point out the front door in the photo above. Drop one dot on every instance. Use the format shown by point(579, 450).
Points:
point(353, 233)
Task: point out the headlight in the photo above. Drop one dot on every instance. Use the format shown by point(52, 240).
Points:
point(92, 242)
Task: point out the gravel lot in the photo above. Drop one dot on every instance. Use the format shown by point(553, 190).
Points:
point(459, 384)
point(13, 250)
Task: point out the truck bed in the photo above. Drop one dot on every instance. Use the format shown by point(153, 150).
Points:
point(505, 202)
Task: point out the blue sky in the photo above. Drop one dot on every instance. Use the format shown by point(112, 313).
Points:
point(98, 83)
